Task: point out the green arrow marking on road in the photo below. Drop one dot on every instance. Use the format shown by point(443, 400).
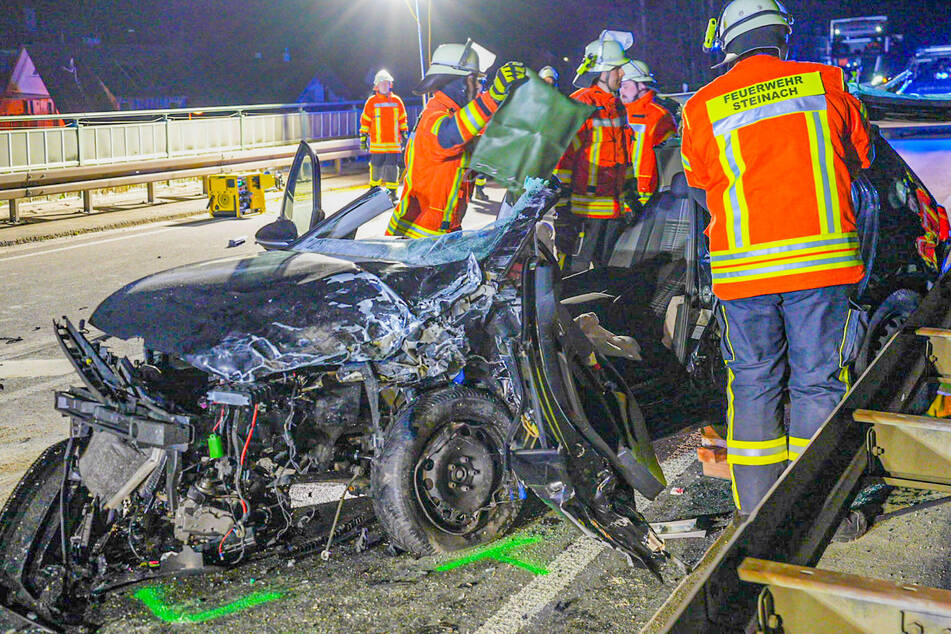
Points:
point(154, 599)
point(498, 553)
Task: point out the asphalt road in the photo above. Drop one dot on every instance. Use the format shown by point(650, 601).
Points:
point(561, 583)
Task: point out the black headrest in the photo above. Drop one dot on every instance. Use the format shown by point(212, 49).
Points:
point(678, 185)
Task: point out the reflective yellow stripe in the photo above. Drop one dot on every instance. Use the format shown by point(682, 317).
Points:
point(598, 206)
point(734, 197)
point(435, 129)
point(453, 201)
point(472, 118)
point(800, 443)
point(758, 444)
point(779, 456)
point(785, 248)
point(640, 137)
point(776, 243)
point(597, 137)
point(753, 264)
point(827, 168)
point(384, 148)
point(465, 118)
point(756, 452)
point(730, 410)
point(830, 262)
point(844, 375)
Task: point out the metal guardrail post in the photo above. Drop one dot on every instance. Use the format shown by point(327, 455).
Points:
point(87, 201)
point(168, 137)
point(14, 210)
point(150, 192)
point(241, 128)
point(79, 141)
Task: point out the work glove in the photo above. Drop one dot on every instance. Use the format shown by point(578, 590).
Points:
point(364, 142)
point(509, 75)
point(444, 226)
point(632, 204)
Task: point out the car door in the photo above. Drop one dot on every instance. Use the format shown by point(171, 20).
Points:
point(302, 204)
point(588, 449)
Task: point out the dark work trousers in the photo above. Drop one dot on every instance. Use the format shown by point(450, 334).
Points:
point(801, 342)
point(584, 242)
point(385, 170)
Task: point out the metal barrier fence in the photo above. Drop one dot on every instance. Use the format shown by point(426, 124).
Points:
point(98, 139)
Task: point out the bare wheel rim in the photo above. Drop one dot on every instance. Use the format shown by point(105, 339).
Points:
point(456, 476)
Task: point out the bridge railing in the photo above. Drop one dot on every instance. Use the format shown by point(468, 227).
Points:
point(106, 138)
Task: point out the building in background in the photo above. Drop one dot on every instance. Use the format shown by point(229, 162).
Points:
point(46, 80)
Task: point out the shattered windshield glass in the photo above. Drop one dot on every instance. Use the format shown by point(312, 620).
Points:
point(444, 249)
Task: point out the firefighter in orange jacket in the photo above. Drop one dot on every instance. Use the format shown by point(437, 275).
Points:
point(383, 127)
point(775, 145)
point(596, 168)
point(438, 185)
point(651, 123)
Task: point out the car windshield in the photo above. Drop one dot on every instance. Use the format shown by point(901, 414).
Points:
point(434, 251)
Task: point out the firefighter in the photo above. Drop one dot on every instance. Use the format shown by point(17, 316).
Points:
point(383, 128)
point(651, 123)
point(775, 145)
point(596, 168)
point(438, 185)
point(480, 182)
point(549, 75)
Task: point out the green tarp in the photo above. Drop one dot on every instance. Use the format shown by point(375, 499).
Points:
point(528, 134)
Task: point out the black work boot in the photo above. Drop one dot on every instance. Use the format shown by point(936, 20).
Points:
point(480, 194)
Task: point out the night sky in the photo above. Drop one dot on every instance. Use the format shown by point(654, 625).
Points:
point(356, 37)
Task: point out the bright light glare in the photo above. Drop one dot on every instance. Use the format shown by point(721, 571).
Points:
point(877, 79)
point(878, 29)
point(838, 32)
point(565, 59)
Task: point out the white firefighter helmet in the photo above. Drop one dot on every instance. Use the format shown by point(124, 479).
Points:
point(603, 54)
point(548, 71)
point(636, 70)
point(383, 75)
point(460, 59)
point(741, 17)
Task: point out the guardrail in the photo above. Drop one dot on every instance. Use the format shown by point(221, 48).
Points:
point(104, 138)
point(112, 149)
point(14, 187)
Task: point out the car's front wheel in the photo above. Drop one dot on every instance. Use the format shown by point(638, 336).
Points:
point(438, 484)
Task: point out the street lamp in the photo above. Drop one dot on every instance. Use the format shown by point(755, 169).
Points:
point(419, 34)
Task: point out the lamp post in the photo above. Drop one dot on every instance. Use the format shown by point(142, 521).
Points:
point(419, 34)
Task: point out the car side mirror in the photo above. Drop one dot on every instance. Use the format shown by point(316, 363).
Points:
point(280, 234)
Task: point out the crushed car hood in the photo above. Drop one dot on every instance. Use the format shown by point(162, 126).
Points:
point(245, 317)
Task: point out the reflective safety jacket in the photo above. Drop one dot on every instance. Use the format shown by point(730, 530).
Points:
point(597, 164)
point(774, 144)
point(652, 124)
point(437, 187)
point(383, 120)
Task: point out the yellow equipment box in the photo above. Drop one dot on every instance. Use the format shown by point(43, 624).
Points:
point(238, 195)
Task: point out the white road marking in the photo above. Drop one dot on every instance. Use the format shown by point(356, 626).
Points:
point(522, 607)
point(85, 244)
point(34, 368)
point(531, 599)
point(6, 397)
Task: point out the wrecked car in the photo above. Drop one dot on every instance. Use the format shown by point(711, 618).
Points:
point(445, 377)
